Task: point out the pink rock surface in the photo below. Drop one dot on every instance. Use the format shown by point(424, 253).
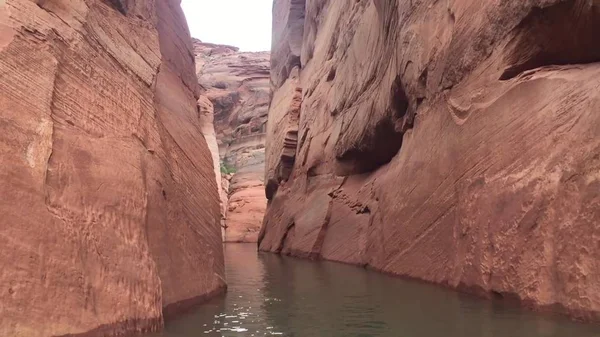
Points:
point(454, 142)
point(109, 206)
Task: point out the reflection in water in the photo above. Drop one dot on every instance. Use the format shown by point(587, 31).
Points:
point(270, 295)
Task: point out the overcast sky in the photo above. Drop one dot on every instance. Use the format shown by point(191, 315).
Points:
point(241, 23)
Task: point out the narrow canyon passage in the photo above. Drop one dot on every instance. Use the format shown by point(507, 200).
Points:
point(234, 106)
point(271, 295)
point(305, 168)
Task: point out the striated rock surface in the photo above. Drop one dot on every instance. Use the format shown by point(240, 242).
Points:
point(454, 142)
point(109, 206)
point(237, 85)
point(206, 116)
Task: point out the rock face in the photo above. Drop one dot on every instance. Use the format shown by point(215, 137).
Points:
point(237, 85)
point(454, 142)
point(109, 206)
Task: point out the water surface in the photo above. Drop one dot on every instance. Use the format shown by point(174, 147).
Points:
point(270, 295)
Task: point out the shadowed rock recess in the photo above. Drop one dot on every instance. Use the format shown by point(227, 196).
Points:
point(236, 89)
point(454, 142)
point(109, 212)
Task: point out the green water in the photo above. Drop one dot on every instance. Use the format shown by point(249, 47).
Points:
point(270, 295)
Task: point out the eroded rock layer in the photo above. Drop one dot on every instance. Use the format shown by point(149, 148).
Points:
point(454, 142)
point(237, 85)
point(109, 206)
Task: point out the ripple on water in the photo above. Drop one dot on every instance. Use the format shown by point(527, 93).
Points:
point(269, 295)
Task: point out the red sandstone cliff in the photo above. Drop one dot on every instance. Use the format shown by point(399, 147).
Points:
point(109, 210)
point(450, 141)
point(237, 85)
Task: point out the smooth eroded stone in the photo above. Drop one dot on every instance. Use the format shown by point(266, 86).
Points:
point(109, 209)
point(454, 142)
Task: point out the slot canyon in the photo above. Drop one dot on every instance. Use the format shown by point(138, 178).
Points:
point(235, 99)
point(414, 168)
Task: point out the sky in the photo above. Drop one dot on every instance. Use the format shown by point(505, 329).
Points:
point(245, 24)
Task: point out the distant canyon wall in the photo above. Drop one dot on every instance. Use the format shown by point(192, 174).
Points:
point(236, 85)
point(110, 214)
point(454, 142)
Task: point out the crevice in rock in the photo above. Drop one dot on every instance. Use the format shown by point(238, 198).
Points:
point(383, 141)
point(423, 78)
point(281, 245)
point(387, 11)
point(292, 62)
point(303, 138)
point(271, 189)
point(363, 210)
point(566, 33)
point(48, 197)
point(331, 75)
point(380, 147)
point(288, 155)
point(306, 153)
point(399, 101)
point(120, 5)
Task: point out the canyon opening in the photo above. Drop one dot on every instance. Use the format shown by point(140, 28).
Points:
point(307, 168)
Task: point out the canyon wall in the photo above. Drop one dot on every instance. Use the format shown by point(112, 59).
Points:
point(110, 215)
point(236, 85)
point(454, 142)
